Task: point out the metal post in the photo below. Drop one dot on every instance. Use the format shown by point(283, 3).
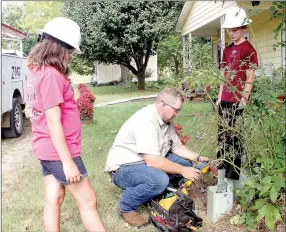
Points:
point(221, 184)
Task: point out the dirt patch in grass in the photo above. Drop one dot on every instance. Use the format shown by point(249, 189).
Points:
point(198, 191)
point(16, 158)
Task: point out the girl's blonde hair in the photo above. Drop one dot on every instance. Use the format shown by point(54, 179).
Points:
point(49, 52)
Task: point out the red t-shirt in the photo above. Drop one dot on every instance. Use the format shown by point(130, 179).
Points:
point(236, 60)
point(46, 89)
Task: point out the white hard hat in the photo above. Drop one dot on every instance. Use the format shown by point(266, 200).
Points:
point(65, 30)
point(235, 17)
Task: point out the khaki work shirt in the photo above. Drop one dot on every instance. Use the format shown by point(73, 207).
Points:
point(143, 133)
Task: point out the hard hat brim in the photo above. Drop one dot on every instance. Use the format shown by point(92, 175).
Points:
point(232, 25)
point(77, 49)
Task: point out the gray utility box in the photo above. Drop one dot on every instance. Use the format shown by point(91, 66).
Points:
point(219, 203)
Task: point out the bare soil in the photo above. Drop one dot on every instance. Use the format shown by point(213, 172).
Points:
point(16, 156)
point(198, 191)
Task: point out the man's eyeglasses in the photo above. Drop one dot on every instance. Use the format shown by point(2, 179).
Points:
point(175, 109)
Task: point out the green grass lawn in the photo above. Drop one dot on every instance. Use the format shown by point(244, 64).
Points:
point(111, 93)
point(23, 209)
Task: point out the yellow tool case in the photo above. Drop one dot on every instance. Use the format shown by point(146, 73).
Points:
point(174, 213)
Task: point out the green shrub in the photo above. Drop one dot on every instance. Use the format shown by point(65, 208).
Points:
point(264, 138)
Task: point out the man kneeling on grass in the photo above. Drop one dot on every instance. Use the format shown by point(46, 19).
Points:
point(147, 152)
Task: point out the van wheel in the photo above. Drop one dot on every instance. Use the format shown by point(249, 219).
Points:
point(16, 121)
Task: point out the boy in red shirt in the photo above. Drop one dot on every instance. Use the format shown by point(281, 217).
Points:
point(239, 63)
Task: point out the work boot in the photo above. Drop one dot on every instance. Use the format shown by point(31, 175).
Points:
point(134, 219)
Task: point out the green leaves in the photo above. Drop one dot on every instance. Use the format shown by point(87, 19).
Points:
point(11, 15)
point(170, 53)
point(276, 12)
point(265, 189)
point(279, 182)
point(81, 65)
point(37, 14)
point(273, 194)
point(125, 33)
point(259, 203)
point(31, 16)
point(264, 98)
point(204, 79)
point(261, 213)
point(260, 196)
point(201, 56)
point(271, 215)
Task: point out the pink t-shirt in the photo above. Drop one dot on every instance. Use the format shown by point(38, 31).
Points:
point(47, 88)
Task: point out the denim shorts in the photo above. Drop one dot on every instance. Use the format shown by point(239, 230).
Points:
point(56, 169)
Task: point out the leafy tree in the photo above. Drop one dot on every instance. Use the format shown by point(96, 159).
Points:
point(277, 11)
point(29, 43)
point(81, 65)
point(201, 54)
point(123, 33)
point(170, 53)
point(11, 15)
point(35, 15)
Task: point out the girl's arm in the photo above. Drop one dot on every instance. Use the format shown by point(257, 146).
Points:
point(53, 116)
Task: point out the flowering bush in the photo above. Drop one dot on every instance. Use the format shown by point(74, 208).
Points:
point(85, 102)
point(88, 95)
point(184, 138)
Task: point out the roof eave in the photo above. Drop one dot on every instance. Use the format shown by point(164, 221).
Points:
point(183, 16)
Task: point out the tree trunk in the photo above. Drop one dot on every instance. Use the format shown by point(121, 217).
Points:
point(176, 66)
point(141, 80)
point(124, 73)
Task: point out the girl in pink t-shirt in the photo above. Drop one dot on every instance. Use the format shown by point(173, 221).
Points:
point(56, 125)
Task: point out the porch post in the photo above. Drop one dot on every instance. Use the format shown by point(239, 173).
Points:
point(190, 53)
point(184, 52)
point(222, 37)
point(187, 45)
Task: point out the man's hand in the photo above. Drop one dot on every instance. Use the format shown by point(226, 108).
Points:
point(71, 171)
point(203, 159)
point(190, 173)
point(217, 102)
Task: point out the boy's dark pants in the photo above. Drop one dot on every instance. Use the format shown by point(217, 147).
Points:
point(228, 139)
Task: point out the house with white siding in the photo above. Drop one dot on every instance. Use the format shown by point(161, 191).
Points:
point(204, 19)
point(107, 73)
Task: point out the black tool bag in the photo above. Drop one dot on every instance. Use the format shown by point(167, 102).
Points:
point(179, 218)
